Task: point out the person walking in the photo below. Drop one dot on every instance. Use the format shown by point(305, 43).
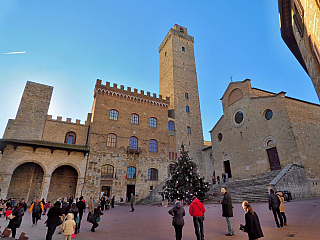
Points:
point(252, 226)
point(282, 208)
point(274, 205)
point(132, 200)
point(65, 210)
point(81, 205)
point(95, 218)
point(36, 208)
point(53, 220)
point(91, 208)
point(15, 222)
point(68, 226)
point(74, 210)
point(227, 211)
point(24, 204)
point(177, 221)
point(197, 211)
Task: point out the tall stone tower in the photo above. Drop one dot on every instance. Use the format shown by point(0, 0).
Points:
point(32, 113)
point(178, 80)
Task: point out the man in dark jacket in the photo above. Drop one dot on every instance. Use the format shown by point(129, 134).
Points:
point(227, 211)
point(274, 204)
point(15, 222)
point(177, 221)
point(93, 218)
point(54, 214)
point(81, 206)
point(65, 211)
point(197, 211)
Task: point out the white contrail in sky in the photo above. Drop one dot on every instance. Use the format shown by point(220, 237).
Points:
point(14, 52)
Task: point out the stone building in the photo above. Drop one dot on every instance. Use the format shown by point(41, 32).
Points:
point(300, 30)
point(126, 145)
point(262, 131)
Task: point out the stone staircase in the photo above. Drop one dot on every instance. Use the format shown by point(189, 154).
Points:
point(251, 190)
point(154, 196)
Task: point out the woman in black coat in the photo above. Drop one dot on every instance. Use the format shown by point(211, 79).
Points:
point(252, 226)
point(15, 222)
point(93, 218)
point(177, 221)
point(54, 214)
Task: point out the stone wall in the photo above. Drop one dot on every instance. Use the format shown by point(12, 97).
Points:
point(292, 178)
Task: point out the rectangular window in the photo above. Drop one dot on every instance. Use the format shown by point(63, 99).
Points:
point(186, 95)
point(183, 50)
point(187, 109)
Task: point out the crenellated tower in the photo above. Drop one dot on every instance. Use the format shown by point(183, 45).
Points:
point(178, 80)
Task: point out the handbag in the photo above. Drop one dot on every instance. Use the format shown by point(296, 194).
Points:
point(10, 217)
point(73, 235)
point(98, 219)
point(60, 221)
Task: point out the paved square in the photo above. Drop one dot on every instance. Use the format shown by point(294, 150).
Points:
point(154, 223)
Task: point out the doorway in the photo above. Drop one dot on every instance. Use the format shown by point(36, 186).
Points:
point(106, 190)
point(273, 159)
point(227, 168)
point(130, 189)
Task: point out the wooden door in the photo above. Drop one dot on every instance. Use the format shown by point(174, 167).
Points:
point(273, 159)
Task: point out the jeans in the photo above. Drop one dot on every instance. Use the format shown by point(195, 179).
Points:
point(283, 214)
point(178, 230)
point(132, 208)
point(230, 227)
point(198, 223)
point(276, 211)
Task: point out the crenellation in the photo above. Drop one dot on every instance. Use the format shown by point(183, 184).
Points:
point(49, 117)
point(129, 89)
point(68, 120)
point(98, 82)
point(59, 118)
point(121, 87)
point(115, 85)
point(154, 95)
point(142, 92)
point(78, 121)
point(135, 90)
point(148, 94)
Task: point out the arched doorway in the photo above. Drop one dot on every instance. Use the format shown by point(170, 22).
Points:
point(26, 182)
point(63, 183)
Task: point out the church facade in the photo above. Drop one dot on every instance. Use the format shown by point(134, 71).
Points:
point(127, 144)
point(262, 131)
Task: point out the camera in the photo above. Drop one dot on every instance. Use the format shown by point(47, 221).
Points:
point(241, 227)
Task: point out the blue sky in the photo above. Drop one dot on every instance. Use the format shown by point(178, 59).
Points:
point(70, 44)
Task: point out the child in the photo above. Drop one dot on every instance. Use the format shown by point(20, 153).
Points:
point(68, 227)
point(46, 206)
point(8, 212)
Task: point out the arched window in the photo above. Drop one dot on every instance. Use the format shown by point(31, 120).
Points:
point(131, 173)
point(187, 109)
point(153, 145)
point(134, 118)
point(153, 122)
point(188, 130)
point(171, 125)
point(186, 95)
point(153, 174)
point(70, 138)
point(133, 143)
point(113, 115)
point(111, 140)
point(107, 171)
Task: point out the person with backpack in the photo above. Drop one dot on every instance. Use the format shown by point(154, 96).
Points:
point(36, 209)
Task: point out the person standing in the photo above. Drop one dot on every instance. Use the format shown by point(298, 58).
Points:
point(16, 221)
point(197, 211)
point(112, 201)
point(252, 226)
point(107, 203)
point(227, 211)
point(74, 210)
point(274, 205)
point(68, 226)
point(282, 208)
point(53, 219)
point(24, 204)
point(177, 221)
point(91, 208)
point(81, 205)
point(132, 200)
point(103, 202)
point(36, 208)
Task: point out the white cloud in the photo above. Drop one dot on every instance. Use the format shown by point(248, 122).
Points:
point(15, 52)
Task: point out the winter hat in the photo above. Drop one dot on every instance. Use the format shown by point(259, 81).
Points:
point(223, 190)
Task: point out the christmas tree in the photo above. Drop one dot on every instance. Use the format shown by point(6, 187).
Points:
point(185, 182)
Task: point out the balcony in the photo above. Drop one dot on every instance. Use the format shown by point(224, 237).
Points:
point(136, 150)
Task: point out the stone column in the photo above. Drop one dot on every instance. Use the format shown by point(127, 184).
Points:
point(5, 179)
point(79, 189)
point(45, 186)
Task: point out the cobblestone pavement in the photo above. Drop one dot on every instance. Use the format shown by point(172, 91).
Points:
point(154, 223)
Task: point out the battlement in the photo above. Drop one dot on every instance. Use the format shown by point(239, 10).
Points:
point(128, 94)
point(68, 120)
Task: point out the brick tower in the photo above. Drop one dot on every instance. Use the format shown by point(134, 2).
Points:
point(178, 80)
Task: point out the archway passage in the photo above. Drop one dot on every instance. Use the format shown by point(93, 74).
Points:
point(26, 182)
point(63, 183)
